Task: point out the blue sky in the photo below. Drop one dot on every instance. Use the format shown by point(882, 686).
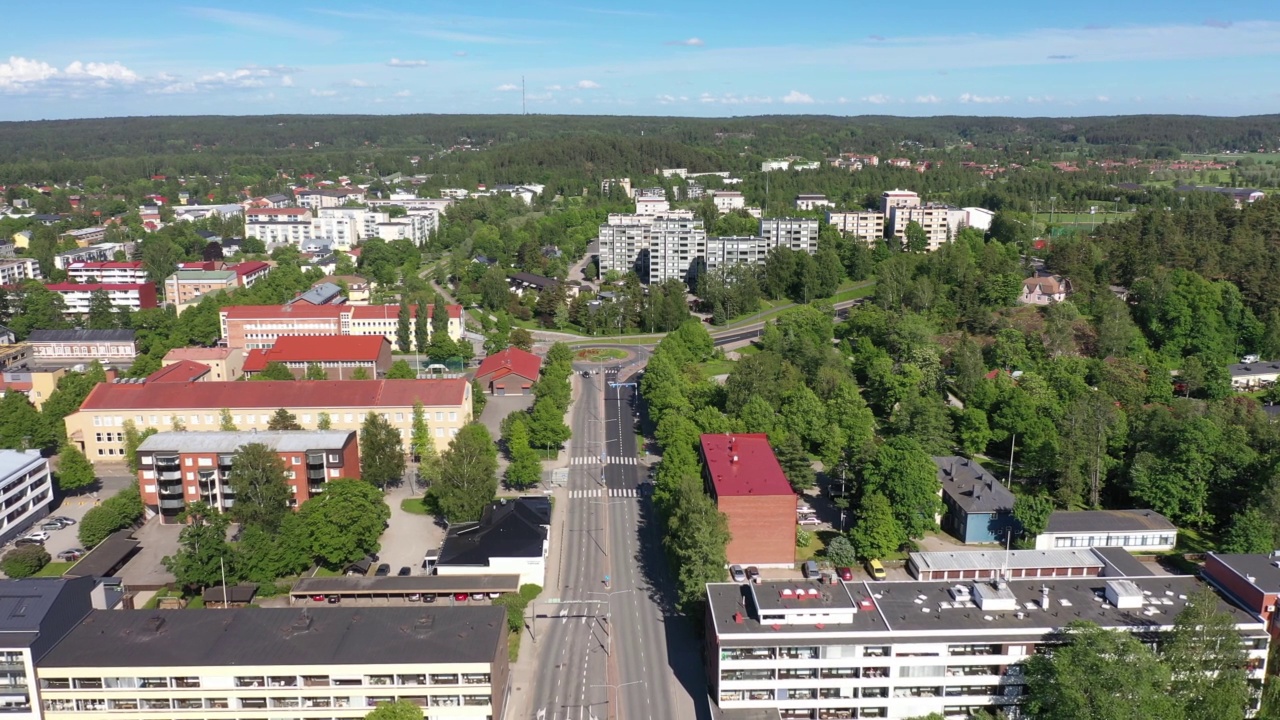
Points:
point(71, 58)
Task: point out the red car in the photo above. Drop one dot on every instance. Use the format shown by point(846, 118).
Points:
point(460, 597)
point(318, 598)
point(845, 573)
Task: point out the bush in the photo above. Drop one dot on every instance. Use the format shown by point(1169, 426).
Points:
point(24, 561)
point(115, 513)
point(515, 603)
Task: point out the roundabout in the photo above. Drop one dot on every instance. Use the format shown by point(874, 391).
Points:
point(601, 355)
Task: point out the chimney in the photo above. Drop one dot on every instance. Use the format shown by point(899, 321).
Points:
point(733, 459)
point(1044, 597)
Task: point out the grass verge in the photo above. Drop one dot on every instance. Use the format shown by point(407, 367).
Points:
point(414, 506)
point(54, 569)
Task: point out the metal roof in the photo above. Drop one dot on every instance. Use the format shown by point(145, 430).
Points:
point(107, 557)
point(80, 336)
point(1066, 521)
point(995, 559)
point(229, 442)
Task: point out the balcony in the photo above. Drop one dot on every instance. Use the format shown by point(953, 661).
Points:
point(174, 474)
point(315, 473)
point(228, 502)
point(315, 488)
point(172, 488)
point(172, 503)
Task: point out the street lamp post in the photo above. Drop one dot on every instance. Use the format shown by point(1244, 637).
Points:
point(608, 650)
point(617, 690)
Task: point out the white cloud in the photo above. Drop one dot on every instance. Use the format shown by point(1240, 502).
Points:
point(730, 99)
point(877, 99)
point(21, 74)
point(587, 85)
point(706, 98)
point(666, 99)
point(21, 71)
point(398, 63)
point(691, 42)
point(554, 87)
point(842, 100)
point(795, 97)
point(286, 81)
point(983, 99)
point(1103, 98)
point(177, 88)
point(575, 101)
point(507, 87)
point(101, 72)
point(928, 99)
point(357, 83)
point(323, 93)
point(403, 94)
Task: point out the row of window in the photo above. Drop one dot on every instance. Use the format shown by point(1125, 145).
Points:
point(118, 704)
point(158, 420)
point(258, 681)
point(1114, 541)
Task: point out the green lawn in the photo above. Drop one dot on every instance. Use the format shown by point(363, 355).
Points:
point(809, 551)
point(54, 569)
point(711, 368)
point(414, 506)
point(854, 293)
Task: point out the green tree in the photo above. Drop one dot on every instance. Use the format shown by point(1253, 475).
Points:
point(21, 427)
point(1098, 674)
point(422, 445)
point(398, 710)
point(525, 470)
point(401, 370)
point(274, 371)
point(132, 439)
point(344, 522)
point(905, 474)
point(404, 336)
point(917, 238)
point(283, 420)
point(102, 314)
point(1250, 531)
point(521, 338)
point(323, 422)
point(1207, 662)
point(265, 557)
point(360, 374)
point(315, 372)
point(381, 452)
point(225, 421)
point(75, 472)
point(24, 561)
point(468, 477)
point(259, 479)
point(1032, 514)
point(439, 318)
point(876, 531)
point(421, 333)
point(795, 462)
point(546, 424)
point(696, 538)
point(202, 549)
point(841, 553)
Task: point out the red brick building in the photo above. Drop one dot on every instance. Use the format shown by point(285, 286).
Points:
point(510, 372)
point(747, 483)
point(177, 468)
point(1252, 580)
point(338, 355)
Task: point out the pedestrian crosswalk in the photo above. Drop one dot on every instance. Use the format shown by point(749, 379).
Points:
point(611, 460)
point(606, 492)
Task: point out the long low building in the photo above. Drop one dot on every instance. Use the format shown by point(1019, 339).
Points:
point(903, 649)
point(278, 663)
point(257, 326)
point(98, 426)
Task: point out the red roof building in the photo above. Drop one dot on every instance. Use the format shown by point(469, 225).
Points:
point(744, 478)
point(182, 371)
point(338, 355)
point(510, 372)
point(79, 296)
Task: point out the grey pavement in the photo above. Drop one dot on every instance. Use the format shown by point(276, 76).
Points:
point(145, 571)
point(408, 536)
point(111, 480)
point(498, 407)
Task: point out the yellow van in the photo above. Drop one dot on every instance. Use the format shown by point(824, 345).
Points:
point(875, 569)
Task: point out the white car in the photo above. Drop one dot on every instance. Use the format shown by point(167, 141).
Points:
point(737, 573)
point(809, 520)
point(803, 509)
point(40, 535)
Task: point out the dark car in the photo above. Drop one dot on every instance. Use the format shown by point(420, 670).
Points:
point(382, 571)
point(27, 541)
point(334, 599)
point(428, 597)
point(753, 574)
point(405, 571)
point(845, 573)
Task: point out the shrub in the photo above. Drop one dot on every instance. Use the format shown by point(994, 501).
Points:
point(115, 513)
point(24, 561)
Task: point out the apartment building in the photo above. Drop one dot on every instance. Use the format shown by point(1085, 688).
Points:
point(201, 212)
point(609, 184)
point(743, 477)
point(278, 663)
point(416, 228)
point(18, 271)
point(892, 199)
point(98, 426)
point(86, 236)
point(281, 226)
point(192, 281)
point(338, 355)
point(652, 206)
point(69, 347)
point(329, 198)
point(868, 225)
point(940, 222)
point(905, 649)
point(26, 489)
point(224, 363)
point(179, 468)
point(113, 273)
point(735, 250)
point(726, 201)
point(675, 250)
point(35, 613)
point(102, 252)
point(38, 384)
point(412, 203)
point(812, 202)
point(258, 326)
point(78, 297)
point(799, 234)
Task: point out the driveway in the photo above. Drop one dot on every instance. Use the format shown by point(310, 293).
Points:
point(408, 536)
point(144, 571)
point(500, 406)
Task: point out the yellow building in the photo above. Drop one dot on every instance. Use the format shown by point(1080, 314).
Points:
point(98, 426)
point(224, 363)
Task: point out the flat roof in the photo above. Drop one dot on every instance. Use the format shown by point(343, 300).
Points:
point(80, 336)
point(1249, 369)
point(1068, 521)
point(282, 636)
point(1120, 562)
point(996, 559)
point(15, 461)
point(229, 442)
point(392, 585)
point(925, 607)
point(106, 557)
point(743, 465)
point(1265, 575)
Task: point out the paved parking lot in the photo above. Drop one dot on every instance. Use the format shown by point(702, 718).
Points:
point(111, 481)
point(408, 536)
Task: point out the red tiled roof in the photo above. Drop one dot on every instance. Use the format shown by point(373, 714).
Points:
point(247, 268)
point(511, 361)
point(744, 465)
point(255, 361)
point(181, 371)
point(271, 394)
point(324, 348)
point(22, 387)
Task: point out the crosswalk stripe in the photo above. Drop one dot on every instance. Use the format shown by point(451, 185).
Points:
point(611, 460)
point(611, 492)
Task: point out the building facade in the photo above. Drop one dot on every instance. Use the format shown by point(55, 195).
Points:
point(868, 225)
point(812, 202)
point(338, 355)
point(102, 252)
point(258, 326)
point(1133, 530)
point(115, 273)
point(745, 480)
point(37, 613)
point(110, 347)
point(18, 271)
point(799, 234)
point(278, 663)
point(26, 488)
point(179, 468)
point(78, 297)
point(978, 507)
point(192, 281)
point(726, 201)
point(224, 363)
point(98, 426)
point(940, 222)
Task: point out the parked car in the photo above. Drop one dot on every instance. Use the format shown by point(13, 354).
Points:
point(808, 520)
point(477, 596)
point(810, 569)
point(382, 571)
point(803, 509)
point(875, 569)
point(405, 571)
point(71, 554)
point(460, 597)
point(737, 574)
point(61, 519)
point(334, 599)
point(844, 573)
point(38, 535)
point(753, 574)
point(494, 596)
point(27, 541)
point(318, 598)
point(413, 597)
point(428, 597)
point(49, 526)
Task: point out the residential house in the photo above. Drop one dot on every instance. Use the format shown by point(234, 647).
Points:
point(1250, 376)
point(1134, 530)
point(511, 538)
point(812, 202)
point(1043, 289)
point(224, 363)
point(978, 507)
point(509, 372)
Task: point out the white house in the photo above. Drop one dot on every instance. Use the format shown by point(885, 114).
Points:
point(1044, 289)
point(652, 206)
point(511, 538)
point(1253, 375)
point(1134, 530)
point(978, 218)
point(726, 201)
point(812, 202)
